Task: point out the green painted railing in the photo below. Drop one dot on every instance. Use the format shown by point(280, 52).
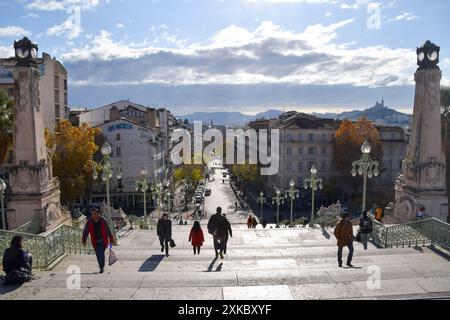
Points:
point(48, 248)
point(430, 231)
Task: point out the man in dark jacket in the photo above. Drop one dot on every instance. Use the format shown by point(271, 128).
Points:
point(344, 235)
point(98, 229)
point(219, 228)
point(164, 232)
point(365, 228)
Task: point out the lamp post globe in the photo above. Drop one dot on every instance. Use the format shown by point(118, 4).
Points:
point(2, 186)
point(366, 148)
point(106, 149)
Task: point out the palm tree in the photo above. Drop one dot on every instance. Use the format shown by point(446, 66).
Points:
point(6, 125)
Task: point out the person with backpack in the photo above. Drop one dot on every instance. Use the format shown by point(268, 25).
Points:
point(219, 227)
point(344, 235)
point(196, 237)
point(98, 229)
point(164, 232)
point(17, 263)
point(365, 228)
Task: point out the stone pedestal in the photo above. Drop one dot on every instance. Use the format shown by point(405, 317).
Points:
point(35, 193)
point(422, 183)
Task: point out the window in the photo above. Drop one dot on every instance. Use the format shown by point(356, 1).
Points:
point(300, 151)
point(289, 166)
point(56, 82)
point(118, 137)
point(65, 84)
point(324, 150)
point(288, 137)
point(324, 137)
point(311, 137)
point(389, 164)
point(310, 164)
point(289, 150)
point(300, 137)
point(300, 166)
point(323, 166)
point(57, 96)
point(57, 111)
point(312, 151)
point(118, 152)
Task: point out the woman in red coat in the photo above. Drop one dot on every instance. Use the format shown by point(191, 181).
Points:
point(196, 237)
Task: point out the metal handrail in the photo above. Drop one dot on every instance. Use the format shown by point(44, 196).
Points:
point(48, 248)
point(429, 231)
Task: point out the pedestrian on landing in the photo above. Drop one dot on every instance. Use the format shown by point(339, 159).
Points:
point(344, 235)
point(249, 222)
point(219, 228)
point(420, 215)
point(196, 237)
point(164, 232)
point(254, 222)
point(17, 263)
point(235, 206)
point(98, 229)
point(378, 214)
point(365, 228)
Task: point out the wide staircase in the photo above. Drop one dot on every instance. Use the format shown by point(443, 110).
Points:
point(284, 264)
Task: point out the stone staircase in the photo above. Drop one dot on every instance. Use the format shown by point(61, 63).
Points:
point(281, 264)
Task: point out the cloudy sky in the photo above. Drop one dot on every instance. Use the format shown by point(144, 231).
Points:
point(236, 55)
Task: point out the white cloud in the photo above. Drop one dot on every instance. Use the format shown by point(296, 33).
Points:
point(119, 25)
point(6, 51)
point(268, 54)
point(69, 28)
point(52, 5)
point(404, 15)
point(13, 31)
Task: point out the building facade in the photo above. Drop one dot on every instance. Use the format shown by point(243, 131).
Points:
point(306, 140)
point(53, 87)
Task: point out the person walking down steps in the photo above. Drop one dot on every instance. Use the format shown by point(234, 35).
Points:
point(196, 237)
point(344, 235)
point(164, 232)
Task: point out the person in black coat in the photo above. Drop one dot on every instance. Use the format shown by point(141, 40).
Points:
point(365, 228)
point(164, 232)
point(219, 228)
point(17, 263)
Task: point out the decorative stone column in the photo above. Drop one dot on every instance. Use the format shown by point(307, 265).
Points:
point(35, 194)
point(422, 183)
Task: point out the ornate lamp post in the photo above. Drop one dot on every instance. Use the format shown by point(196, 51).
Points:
point(365, 167)
point(278, 199)
point(261, 200)
point(107, 166)
point(157, 194)
point(2, 205)
point(314, 183)
point(292, 194)
point(142, 186)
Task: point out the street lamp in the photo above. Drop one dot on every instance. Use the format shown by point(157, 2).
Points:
point(106, 166)
point(261, 200)
point(142, 186)
point(157, 192)
point(365, 167)
point(278, 199)
point(2, 205)
point(314, 183)
point(292, 194)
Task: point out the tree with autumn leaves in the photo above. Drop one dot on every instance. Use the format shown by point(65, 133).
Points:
point(73, 158)
point(349, 138)
point(6, 125)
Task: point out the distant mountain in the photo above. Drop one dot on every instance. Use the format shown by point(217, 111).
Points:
point(229, 118)
point(379, 113)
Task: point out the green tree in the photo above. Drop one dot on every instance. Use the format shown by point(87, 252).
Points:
point(73, 159)
point(445, 104)
point(6, 125)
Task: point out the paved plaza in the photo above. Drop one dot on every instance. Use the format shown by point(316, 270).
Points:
point(278, 264)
